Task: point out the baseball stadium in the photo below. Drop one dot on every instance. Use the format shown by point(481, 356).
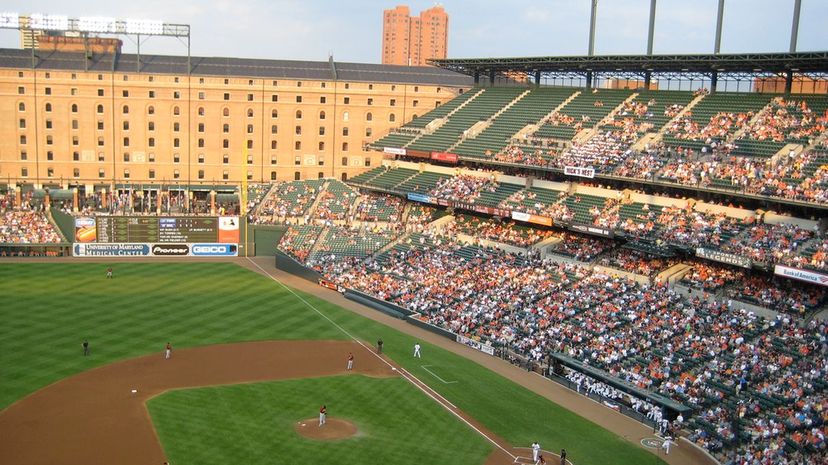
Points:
point(577, 259)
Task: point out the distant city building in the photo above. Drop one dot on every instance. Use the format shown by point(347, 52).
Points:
point(411, 41)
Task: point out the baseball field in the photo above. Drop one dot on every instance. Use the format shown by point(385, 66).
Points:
point(224, 398)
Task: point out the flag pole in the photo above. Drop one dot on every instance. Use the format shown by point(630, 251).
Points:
point(243, 197)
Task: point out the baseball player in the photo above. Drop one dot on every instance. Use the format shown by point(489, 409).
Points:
point(168, 351)
point(109, 273)
point(85, 347)
point(563, 456)
point(323, 412)
point(417, 350)
point(540, 460)
point(666, 445)
point(350, 361)
point(535, 451)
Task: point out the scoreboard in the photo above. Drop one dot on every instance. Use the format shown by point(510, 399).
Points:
point(105, 236)
point(156, 229)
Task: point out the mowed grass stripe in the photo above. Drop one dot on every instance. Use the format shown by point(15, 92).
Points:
point(254, 423)
point(51, 308)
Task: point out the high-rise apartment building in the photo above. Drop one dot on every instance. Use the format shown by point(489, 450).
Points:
point(411, 41)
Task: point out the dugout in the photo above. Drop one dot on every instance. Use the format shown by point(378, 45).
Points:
point(670, 407)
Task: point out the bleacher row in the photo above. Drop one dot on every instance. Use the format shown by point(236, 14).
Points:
point(681, 227)
point(750, 127)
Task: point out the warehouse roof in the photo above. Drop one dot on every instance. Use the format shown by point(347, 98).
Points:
point(234, 67)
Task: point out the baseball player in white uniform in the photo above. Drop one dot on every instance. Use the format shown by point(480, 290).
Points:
point(323, 413)
point(535, 451)
point(417, 350)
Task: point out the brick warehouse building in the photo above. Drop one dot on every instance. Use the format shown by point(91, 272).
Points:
point(108, 119)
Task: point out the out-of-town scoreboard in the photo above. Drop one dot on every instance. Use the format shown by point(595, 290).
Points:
point(156, 235)
point(156, 229)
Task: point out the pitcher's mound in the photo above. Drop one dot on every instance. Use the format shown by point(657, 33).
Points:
point(333, 429)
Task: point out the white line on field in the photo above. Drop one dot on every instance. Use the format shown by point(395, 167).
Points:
point(425, 367)
point(425, 388)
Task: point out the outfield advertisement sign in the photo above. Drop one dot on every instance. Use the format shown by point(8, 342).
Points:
point(724, 257)
point(155, 250)
point(486, 349)
point(86, 229)
point(802, 275)
point(111, 250)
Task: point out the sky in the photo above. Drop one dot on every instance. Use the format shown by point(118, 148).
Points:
point(352, 30)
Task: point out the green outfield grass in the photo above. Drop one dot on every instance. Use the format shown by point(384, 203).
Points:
point(47, 310)
point(253, 423)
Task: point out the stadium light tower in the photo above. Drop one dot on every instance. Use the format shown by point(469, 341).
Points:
point(719, 16)
point(651, 31)
point(592, 14)
point(795, 25)
point(86, 25)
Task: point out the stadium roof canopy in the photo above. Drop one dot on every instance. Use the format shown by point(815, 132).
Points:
point(802, 62)
point(232, 67)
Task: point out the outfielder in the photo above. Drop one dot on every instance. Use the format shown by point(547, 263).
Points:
point(417, 350)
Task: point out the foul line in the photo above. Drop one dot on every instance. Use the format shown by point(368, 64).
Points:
point(425, 367)
point(408, 376)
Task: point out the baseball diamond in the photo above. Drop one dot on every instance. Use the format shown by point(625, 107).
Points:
point(190, 301)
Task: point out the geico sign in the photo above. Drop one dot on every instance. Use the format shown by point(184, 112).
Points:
point(211, 249)
point(172, 249)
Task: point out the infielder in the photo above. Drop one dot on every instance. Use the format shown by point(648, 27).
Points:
point(417, 350)
point(168, 351)
point(350, 361)
point(535, 451)
point(323, 412)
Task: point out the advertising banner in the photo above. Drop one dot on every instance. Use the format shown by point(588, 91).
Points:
point(328, 284)
point(394, 150)
point(528, 218)
point(214, 250)
point(419, 197)
point(85, 229)
point(486, 349)
point(155, 250)
point(445, 156)
point(723, 257)
point(416, 153)
point(580, 171)
point(228, 229)
point(802, 275)
point(110, 250)
point(594, 230)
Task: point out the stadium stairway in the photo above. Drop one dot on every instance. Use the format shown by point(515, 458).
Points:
point(436, 123)
point(480, 127)
point(680, 114)
point(312, 209)
point(740, 132)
